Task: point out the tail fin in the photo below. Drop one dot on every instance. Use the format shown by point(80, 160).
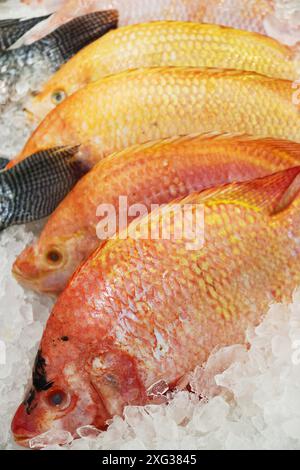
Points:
point(12, 30)
point(33, 188)
point(3, 163)
point(77, 33)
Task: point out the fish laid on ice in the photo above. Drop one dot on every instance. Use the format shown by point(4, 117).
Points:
point(166, 44)
point(33, 188)
point(154, 173)
point(146, 104)
point(251, 15)
point(50, 52)
point(142, 311)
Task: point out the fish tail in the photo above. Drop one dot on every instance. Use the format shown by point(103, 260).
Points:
point(74, 35)
point(81, 31)
point(34, 187)
point(13, 29)
point(3, 163)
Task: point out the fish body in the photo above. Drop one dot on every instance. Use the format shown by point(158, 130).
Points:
point(250, 15)
point(143, 311)
point(143, 176)
point(142, 105)
point(45, 56)
point(167, 44)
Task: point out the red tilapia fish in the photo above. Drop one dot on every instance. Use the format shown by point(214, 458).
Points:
point(142, 311)
point(137, 106)
point(252, 15)
point(153, 173)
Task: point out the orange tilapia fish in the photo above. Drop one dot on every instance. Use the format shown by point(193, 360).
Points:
point(143, 311)
point(149, 174)
point(167, 43)
point(250, 14)
point(147, 104)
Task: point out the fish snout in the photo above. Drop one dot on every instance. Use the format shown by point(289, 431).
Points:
point(24, 268)
point(30, 116)
point(22, 427)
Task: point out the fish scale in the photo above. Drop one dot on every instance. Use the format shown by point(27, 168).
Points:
point(124, 336)
point(153, 173)
point(166, 44)
point(226, 268)
point(142, 105)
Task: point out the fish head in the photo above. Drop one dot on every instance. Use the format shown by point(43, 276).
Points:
point(40, 104)
point(61, 397)
point(79, 377)
point(63, 84)
point(48, 265)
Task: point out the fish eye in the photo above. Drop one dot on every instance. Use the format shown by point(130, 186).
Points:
point(54, 256)
point(58, 399)
point(58, 96)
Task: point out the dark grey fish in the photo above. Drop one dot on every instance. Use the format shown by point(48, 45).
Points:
point(44, 57)
point(12, 30)
point(32, 189)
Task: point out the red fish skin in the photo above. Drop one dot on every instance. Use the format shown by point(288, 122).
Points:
point(139, 311)
point(155, 173)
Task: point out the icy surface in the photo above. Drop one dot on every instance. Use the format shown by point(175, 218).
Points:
point(15, 127)
point(285, 24)
point(22, 316)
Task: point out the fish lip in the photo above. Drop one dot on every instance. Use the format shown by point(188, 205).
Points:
point(19, 275)
point(30, 115)
point(33, 284)
point(22, 440)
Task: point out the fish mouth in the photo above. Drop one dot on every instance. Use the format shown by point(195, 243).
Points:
point(27, 281)
point(21, 277)
point(32, 118)
point(22, 441)
point(35, 284)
